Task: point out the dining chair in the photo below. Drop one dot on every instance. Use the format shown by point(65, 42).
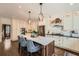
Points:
point(22, 44)
point(31, 48)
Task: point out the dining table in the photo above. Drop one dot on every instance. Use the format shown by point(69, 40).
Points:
point(47, 44)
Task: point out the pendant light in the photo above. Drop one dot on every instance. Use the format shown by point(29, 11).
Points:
point(41, 13)
point(29, 19)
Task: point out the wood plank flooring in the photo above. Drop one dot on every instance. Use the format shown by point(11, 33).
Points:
point(13, 51)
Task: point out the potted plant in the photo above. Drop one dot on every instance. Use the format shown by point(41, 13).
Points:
point(34, 33)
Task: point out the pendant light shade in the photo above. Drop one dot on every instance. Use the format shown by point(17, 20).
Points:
point(29, 19)
point(41, 13)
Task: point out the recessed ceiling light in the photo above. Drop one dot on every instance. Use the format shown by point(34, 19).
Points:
point(62, 16)
point(71, 4)
point(20, 7)
point(77, 11)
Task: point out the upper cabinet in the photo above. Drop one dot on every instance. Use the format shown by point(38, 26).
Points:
point(71, 21)
point(67, 22)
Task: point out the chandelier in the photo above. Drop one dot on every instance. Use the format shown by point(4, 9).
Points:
point(29, 19)
point(41, 13)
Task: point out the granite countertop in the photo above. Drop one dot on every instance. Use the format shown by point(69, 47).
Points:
point(65, 35)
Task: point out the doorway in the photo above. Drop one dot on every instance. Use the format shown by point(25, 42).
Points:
point(6, 31)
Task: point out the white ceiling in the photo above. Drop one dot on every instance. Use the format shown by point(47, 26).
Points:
point(49, 9)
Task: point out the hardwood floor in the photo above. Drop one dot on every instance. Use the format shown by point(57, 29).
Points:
point(13, 51)
point(59, 52)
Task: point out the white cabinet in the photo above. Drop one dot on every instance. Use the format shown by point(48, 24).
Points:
point(58, 40)
point(67, 23)
point(76, 22)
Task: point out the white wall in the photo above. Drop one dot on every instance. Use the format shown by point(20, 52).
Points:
point(17, 24)
point(5, 20)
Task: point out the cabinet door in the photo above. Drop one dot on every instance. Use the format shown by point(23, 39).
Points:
point(68, 23)
point(41, 30)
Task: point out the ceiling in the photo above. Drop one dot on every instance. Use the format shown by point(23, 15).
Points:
point(20, 10)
